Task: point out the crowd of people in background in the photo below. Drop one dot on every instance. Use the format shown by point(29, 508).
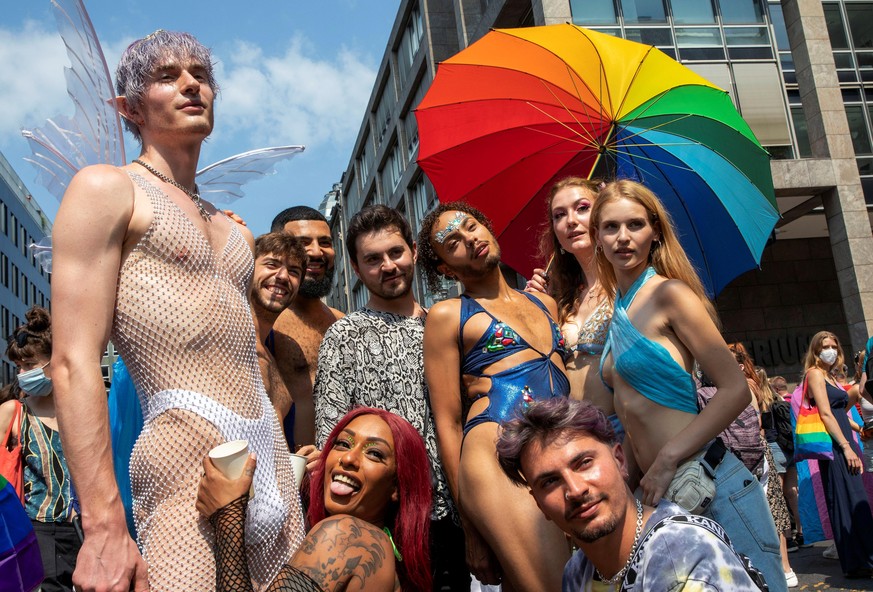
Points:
point(592, 431)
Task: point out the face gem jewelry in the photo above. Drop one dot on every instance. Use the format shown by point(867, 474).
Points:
point(453, 224)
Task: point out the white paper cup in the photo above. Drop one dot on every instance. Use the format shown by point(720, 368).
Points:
point(299, 464)
point(230, 458)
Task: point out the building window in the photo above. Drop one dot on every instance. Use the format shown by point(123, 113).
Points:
point(836, 30)
point(860, 18)
point(643, 11)
point(420, 202)
point(391, 172)
point(383, 110)
point(735, 12)
point(693, 12)
point(858, 129)
point(410, 42)
point(365, 160)
point(801, 132)
point(593, 12)
point(411, 124)
point(360, 295)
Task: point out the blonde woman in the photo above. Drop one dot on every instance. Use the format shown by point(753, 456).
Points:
point(661, 323)
point(845, 497)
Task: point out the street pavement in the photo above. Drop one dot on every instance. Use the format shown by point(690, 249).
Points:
point(814, 572)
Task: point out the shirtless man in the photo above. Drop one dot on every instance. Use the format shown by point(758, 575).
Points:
point(138, 256)
point(280, 262)
point(301, 327)
point(487, 354)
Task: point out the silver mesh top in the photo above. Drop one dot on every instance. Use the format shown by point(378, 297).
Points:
point(184, 327)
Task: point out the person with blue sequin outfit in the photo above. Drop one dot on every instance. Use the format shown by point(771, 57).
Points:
point(487, 354)
point(662, 322)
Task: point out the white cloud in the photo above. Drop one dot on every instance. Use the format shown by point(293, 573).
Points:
point(32, 85)
point(295, 98)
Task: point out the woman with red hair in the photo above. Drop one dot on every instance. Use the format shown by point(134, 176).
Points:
point(369, 506)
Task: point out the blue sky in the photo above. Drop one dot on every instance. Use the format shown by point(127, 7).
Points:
point(291, 72)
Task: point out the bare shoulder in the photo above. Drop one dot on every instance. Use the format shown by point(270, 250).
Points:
point(96, 182)
point(675, 296)
point(444, 311)
point(550, 303)
point(7, 412)
point(347, 553)
point(246, 234)
point(337, 314)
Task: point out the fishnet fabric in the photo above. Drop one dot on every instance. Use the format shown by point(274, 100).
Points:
point(184, 328)
point(232, 570)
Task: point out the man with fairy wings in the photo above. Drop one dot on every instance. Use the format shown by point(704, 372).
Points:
point(141, 258)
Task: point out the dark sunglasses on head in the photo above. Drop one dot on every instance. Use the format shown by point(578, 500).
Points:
point(19, 338)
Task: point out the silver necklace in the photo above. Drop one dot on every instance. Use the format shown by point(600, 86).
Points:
point(194, 195)
point(620, 575)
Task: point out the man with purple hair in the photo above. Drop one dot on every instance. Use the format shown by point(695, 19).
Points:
point(141, 258)
point(566, 453)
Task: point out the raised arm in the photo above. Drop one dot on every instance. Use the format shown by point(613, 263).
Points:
point(88, 240)
point(689, 320)
point(333, 392)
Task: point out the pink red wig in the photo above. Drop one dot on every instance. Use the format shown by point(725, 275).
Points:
point(410, 519)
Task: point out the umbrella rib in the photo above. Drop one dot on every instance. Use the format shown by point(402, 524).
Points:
point(569, 112)
point(601, 110)
point(654, 127)
point(627, 154)
point(602, 69)
point(590, 137)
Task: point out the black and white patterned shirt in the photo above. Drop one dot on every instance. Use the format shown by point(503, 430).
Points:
point(376, 359)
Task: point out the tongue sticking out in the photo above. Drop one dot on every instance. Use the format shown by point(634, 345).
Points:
point(340, 488)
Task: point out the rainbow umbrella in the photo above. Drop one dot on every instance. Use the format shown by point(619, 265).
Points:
point(521, 108)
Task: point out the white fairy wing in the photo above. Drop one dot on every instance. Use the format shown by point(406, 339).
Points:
point(221, 183)
point(93, 135)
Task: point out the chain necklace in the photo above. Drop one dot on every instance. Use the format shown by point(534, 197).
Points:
point(194, 195)
point(620, 575)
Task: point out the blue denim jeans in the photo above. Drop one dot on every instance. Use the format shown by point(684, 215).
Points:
point(740, 506)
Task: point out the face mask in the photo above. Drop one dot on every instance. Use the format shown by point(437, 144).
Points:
point(828, 356)
point(35, 383)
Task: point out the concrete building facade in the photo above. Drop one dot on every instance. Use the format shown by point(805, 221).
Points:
point(23, 283)
point(800, 72)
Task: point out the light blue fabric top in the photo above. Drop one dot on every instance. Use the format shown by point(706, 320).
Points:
point(645, 365)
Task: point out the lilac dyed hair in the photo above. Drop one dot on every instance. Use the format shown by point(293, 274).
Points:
point(545, 421)
point(142, 56)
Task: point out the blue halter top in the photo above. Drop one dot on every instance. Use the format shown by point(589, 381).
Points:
point(645, 365)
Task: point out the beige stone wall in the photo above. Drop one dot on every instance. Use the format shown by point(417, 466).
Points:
point(775, 310)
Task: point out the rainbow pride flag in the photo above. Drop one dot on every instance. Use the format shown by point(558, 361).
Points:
point(20, 563)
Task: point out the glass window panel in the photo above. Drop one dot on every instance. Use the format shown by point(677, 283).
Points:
point(867, 75)
point(702, 54)
point(793, 96)
point(613, 32)
point(593, 12)
point(858, 129)
point(741, 11)
point(746, 36)
point(692, 12)
point(851, 95)
point(750, 53)
point(868, 94)
point(643, 11)
point(844, 60)
point(865, 166)
point(836, 30)
point(865, 59)
point(779, 30)
point(860, 17)
point(650, 36)
point(847, 76)
point(698, 37)
point(670, 51)
point(759, 92)
point(787, 61)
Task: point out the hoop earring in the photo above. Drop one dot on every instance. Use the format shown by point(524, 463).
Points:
point(598, 249)
point(562, 250)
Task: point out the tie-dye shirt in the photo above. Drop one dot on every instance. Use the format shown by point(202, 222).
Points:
point(682, 553)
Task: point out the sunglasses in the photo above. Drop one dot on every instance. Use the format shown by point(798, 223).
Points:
point(20, 338)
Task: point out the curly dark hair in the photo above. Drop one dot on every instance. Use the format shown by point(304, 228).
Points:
point(428, 260)
point(32, 338)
